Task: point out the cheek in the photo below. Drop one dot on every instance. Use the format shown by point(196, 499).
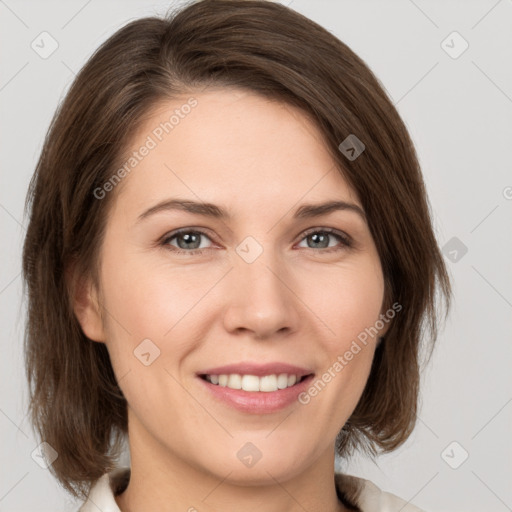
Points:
point(150, 322)
point(155, 316)
point(350, 309)
point(348, 300)
point(150, 303)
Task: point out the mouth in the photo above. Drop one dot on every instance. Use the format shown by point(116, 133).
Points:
point(254, 383)
point(255, 388)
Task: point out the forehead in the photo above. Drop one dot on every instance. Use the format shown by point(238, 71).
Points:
point(232, 147)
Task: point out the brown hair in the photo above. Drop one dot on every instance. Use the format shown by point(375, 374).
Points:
point(261, 46)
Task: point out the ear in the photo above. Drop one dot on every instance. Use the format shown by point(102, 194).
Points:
point(86, 305)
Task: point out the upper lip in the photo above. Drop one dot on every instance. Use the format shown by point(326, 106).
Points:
point(248, 368)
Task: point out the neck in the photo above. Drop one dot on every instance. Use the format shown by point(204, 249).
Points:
point(162, 480)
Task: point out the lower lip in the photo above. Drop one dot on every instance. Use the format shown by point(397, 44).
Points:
point(258, 402)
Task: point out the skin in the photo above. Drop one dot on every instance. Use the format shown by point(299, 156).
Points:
point(296, 303)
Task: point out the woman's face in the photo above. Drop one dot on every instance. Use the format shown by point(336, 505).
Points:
point(268, 287)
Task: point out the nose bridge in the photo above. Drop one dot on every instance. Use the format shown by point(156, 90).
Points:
point(261, 271)
point(262, 300)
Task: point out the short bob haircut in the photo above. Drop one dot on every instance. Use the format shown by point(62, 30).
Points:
point(270, 50)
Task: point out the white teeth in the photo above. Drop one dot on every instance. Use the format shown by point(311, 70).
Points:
point(282, 381)
point(235, 381)
point(250, 383)
point(266, 383)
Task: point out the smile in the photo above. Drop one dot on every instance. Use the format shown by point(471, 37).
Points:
point(253, 383)
point(268, 398)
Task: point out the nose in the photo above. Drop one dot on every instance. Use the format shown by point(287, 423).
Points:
point(261, 299)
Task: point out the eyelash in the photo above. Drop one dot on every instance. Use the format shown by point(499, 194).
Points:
point(342, 237)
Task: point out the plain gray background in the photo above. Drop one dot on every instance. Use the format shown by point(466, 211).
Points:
point(458, 107)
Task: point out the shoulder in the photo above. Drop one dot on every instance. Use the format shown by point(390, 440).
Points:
point(368, 497)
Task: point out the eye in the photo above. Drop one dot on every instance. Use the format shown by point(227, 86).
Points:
point(189, 241)
point(320, 239)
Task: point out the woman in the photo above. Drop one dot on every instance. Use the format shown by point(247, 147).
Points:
point(289, 330)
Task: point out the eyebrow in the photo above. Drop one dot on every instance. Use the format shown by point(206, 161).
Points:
point(306, 211)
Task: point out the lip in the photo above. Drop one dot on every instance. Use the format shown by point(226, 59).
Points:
point(257, 402)
point(259, 370)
